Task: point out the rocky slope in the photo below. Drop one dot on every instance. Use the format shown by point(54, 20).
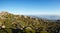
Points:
point(8, 20)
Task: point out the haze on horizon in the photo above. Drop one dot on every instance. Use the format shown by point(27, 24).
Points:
point(31, 7)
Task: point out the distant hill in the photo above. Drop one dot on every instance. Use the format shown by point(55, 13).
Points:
point(49, 17)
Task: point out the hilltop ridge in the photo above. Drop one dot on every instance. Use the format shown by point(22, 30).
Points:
point(22, 21)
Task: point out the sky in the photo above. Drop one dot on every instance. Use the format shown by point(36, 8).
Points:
point(31, 7)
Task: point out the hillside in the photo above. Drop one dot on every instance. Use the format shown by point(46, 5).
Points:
point(28, 24)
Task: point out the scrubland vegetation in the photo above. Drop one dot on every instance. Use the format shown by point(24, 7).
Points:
point(10, 23)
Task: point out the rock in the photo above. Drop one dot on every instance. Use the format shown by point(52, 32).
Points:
point(3, 26)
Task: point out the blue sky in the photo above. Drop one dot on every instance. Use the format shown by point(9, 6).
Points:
point(31, 7)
